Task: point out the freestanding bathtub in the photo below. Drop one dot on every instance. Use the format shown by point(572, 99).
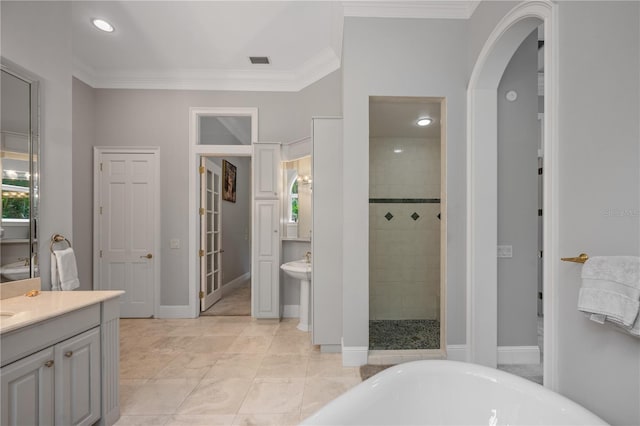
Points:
point(438, 392)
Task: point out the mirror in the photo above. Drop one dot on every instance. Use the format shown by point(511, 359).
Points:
point(297, 184)
point(19, 148)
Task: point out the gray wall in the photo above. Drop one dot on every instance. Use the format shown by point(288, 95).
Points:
point(161, 118)
point(37, 37)
point(84, 122)
point(380, 58)
point(599, 179)
point(518, 198)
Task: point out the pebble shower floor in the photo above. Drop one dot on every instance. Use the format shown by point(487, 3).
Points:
point(404, 334)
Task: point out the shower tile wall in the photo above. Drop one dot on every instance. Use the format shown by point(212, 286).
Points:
point(404, 235)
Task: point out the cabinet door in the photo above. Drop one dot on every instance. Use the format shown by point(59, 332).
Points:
point(267, 259)
point(27, 390)
point(77, 379)
point(266, 157)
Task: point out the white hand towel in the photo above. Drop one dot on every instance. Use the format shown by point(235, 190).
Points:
point(611, 290)
point(67, 269)
point(55, 278)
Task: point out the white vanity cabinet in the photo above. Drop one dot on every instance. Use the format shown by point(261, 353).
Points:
point(61, 382)
point(77, 379)
point(266, 157)
point(62, 370)
point(27, 390)
point(266, 231)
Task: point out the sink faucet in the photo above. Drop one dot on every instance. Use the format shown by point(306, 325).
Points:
point(307, 256)
point(25, 260)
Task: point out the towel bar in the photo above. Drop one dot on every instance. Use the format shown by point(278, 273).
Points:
point(57, 238)
point(582, 257)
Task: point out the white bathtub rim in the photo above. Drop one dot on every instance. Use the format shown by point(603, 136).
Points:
point(377, 383)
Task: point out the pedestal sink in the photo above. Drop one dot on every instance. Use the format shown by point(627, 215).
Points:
point(301, 270)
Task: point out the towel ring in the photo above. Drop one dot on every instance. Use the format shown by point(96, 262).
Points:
point(57, 238)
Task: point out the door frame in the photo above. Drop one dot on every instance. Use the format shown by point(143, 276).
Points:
point(195, 152)
point(482, 183)
point(98, 151)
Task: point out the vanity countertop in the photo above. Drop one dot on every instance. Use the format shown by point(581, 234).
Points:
point(24, 311)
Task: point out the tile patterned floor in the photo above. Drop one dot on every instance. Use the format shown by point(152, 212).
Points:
point(233, 302)
point(404, 334)
point(224, 371)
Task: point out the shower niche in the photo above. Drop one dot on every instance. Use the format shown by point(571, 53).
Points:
point(407, 222)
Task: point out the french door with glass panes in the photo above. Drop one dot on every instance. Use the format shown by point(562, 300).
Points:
point(210, 233)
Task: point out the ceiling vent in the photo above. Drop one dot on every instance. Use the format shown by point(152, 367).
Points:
point(262, 60)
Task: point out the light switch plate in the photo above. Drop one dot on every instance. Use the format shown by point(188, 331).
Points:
point(505, 251)
point(174, 243)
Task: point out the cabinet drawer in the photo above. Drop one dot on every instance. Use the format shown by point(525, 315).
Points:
point(27, 340)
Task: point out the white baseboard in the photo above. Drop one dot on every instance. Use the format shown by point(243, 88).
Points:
point(354, 356)
point(457, 353)
point(235, 283)
point(177, 311)
point(518, 355)
point(291, 311)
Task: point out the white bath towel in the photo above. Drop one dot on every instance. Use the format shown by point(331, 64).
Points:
point(611, 291)
point(67, 269)
point(55, 277)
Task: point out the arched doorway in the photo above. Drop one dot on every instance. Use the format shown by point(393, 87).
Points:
point(482, 223)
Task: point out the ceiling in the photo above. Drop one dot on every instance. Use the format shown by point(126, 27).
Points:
point(396, 117)
point(205, 45)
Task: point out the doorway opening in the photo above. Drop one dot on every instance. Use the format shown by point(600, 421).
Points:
point(482, 183)
point(225, 236)
point(407, 225)
point(520, 173)
point(223, 137)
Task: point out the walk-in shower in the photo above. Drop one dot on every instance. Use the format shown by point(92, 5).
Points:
point(405, 220)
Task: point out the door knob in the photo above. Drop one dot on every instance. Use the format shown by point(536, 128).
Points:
point(148, 256)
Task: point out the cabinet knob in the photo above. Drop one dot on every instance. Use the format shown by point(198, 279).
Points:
point(68, 354)
point(275, 230)
point(49, 363)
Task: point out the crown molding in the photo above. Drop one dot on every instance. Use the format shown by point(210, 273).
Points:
point(425, 9)
point(311, 71)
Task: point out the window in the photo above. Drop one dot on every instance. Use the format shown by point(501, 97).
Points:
point(293, 200)
point(15, 199)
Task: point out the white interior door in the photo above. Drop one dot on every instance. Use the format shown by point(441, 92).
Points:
point(210, 233)
point(127, 187)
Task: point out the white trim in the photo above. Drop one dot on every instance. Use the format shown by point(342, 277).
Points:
point(297, 149)
point(518, 355)
point(98, 151)
point(354, 356)
point(317, 67)
point(398, 356)
point(291, 311)
point(482, 181)
point(551, 214)
point(195, 151)
point(458, 353)
point(446, 9)
point(174, 311)
point(235, 283)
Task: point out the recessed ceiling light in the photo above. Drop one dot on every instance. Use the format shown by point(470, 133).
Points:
point(397, 150)
point(424, 121)
point(103, 25)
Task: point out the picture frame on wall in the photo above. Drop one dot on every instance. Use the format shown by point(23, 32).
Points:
point(228, 181)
